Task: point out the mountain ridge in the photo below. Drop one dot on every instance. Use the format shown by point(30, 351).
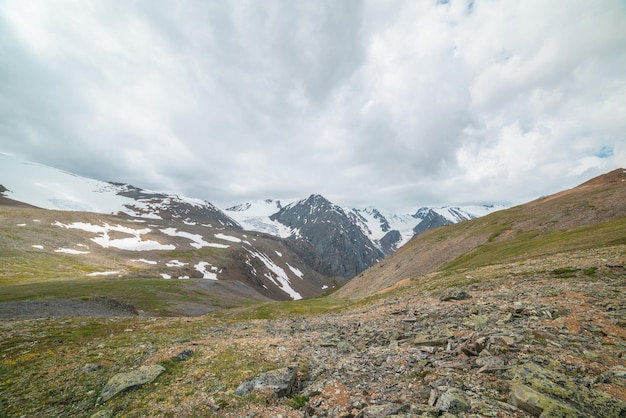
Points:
point(550, 224)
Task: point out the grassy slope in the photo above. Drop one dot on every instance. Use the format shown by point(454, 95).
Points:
point(589, 216)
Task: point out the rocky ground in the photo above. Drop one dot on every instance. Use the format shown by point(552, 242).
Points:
point(56, 308)
point(537, 338)
point(550, 346)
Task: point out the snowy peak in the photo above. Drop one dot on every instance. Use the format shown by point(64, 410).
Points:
point(265, 207)
point(314, 209)
point(49, 188)
point(331, 232)
point(385, 231)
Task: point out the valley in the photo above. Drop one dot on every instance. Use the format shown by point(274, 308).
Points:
point(520, 312)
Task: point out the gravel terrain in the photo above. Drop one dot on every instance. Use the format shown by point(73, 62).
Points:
point(99, 307)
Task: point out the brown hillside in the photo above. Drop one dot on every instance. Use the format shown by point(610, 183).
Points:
point(561, 222)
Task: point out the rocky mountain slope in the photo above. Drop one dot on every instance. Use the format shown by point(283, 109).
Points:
point(182, 267)
point(590, 214)
point(350, 239)
point(63, 228)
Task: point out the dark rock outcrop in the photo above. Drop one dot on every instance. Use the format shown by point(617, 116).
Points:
point(331, 233)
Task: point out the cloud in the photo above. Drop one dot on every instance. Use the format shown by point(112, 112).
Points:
point(396, 104)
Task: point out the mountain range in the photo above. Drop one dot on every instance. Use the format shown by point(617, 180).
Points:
point(313, 235)
point(350, 239)
point(517, 313)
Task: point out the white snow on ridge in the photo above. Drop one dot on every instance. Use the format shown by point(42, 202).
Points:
point(281, 279)
point(49, 188)
point(143, 260)
point(255, 216)
point(295, 271)
point(133, 243)
point(198, 240)
point(201, 267)
point(227, 237)
point(103, 273)
point(70, 251)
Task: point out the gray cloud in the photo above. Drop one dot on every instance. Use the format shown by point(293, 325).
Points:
point(396, 104)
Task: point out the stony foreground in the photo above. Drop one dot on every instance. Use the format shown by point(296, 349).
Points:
point(520, 340)
point(532, 347)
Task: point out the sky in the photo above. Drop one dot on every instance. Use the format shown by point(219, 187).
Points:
point(395, 104)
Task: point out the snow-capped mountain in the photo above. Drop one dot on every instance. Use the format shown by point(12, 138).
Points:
point(313, 222)
point(386, 231)
point(256, 216)
point(118, 230)
point(49, 188)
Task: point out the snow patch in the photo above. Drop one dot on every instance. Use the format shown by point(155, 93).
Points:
point(70, 251)
point(281, 279)
point(202, 268)
point(103, 273)
point(198, 240)
point(39, 247)
point(227, 237)
point(143, 260)
point(295, 271)
point(175, 263)
point(134, 243)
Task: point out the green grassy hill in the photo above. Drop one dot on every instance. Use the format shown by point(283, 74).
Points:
point(588, 216)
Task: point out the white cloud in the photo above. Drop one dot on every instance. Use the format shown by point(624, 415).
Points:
point(396, 104)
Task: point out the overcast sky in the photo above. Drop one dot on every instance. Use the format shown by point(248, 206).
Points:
point(396, 104)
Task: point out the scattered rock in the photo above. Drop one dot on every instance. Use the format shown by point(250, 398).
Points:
point(123, 382)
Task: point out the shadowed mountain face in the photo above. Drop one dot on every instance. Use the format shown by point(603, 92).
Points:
point(348, 240)
point(591, 214)
point(329, 230)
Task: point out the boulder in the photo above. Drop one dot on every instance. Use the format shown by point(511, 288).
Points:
point(535, 388)
point(452, 401)
point(123, 382)
point(278, 382)
point(183, 355)
point(454, 293)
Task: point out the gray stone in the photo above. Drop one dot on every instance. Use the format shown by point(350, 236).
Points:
point(454, 293)
point(90, 368)
point(376, 411)
point(123, 382)
point(558, 393)
point(183, 355)
point(536, 403)
point(619, 371)
point(452, 401)
point(103, 413)
point(279, 382)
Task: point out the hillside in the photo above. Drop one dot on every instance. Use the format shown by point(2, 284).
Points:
point(158, 266)
point(525, 322)
point(592, 214)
